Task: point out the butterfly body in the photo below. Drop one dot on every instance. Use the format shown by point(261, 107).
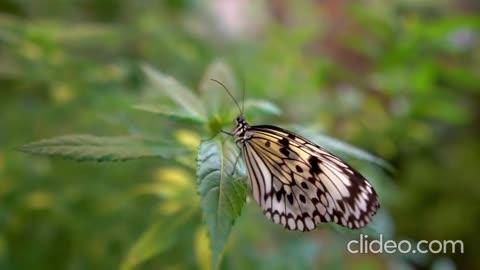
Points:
point(299, 184)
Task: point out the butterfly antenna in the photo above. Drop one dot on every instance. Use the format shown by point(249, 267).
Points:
point(230, 94)
point(243, 92)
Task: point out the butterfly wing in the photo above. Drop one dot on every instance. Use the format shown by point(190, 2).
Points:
point(299, 184)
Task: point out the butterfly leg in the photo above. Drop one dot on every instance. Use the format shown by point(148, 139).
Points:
point(222, 131)
point(235, 164)
point(226, 132)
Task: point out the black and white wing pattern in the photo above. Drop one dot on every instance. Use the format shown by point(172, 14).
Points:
point(299, 184)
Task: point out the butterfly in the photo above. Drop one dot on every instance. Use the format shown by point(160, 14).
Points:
point(299, 184)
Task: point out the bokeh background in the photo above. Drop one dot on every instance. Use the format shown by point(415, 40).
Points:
point(398, 78)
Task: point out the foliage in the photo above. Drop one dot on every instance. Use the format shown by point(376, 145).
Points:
point(222, 193)
point(397, 79)
point(88, 147)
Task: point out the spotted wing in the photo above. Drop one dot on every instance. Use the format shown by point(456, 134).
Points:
point(299, 184)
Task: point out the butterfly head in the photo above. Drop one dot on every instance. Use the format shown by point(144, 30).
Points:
point(240, 132)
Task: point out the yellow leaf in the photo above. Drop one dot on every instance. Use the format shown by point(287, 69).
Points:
point(173, 177)
point(188, 139)
point(202, 249)
point(170, 207)
point(61, 93)
point(39, 200)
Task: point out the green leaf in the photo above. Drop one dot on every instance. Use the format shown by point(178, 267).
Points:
point(262, 106)
point(157, 239)
point(89, 147)
point(213, 94)
point(180, 94)
point(222, 195)
point(168, 112)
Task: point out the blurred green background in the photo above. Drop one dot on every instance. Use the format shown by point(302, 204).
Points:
point(399, 79)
